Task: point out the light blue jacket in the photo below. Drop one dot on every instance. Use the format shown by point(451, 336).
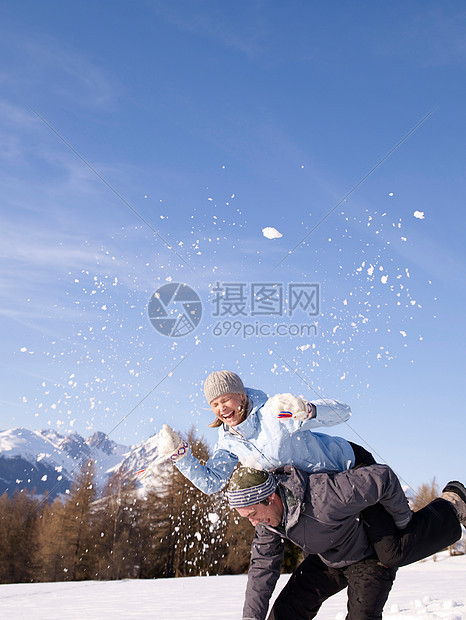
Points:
point(265, 442)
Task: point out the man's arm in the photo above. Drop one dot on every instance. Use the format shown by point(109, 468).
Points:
point(266, 559)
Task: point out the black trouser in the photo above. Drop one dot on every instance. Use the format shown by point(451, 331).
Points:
point(430, 530)
point(313, 582)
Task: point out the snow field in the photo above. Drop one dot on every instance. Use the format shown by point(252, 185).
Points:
point(430, 590)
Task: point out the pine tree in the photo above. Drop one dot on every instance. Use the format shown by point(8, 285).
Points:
point(238, 538)
point(78, 530)
point(118, 521)
point(51, 542)
point(425, 494)
point(179, 525)
point(18, 537)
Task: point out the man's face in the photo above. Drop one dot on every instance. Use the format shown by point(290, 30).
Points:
point(227, 408)
point(267, 514)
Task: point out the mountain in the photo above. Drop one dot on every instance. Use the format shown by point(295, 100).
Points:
point(410, 494)
point(48, 461)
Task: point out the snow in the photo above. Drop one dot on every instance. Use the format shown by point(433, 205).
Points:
point(169, 440)
point(419, 215)
point(431, 590)
point(271, 233)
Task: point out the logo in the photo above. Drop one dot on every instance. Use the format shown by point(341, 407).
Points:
point(175, 310)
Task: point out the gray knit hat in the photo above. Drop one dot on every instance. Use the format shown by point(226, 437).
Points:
point(222, 382)
point(249, 486)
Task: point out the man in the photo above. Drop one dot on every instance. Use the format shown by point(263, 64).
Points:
point(320, 514)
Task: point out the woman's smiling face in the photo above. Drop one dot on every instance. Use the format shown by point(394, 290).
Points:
point(228, 409)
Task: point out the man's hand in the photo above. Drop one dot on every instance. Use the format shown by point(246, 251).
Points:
point(171, 445)
point(285, 406)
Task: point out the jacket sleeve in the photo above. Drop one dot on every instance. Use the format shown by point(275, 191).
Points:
point(329, 412)
point(267, 551)
point(359, 488)
point(212, 476)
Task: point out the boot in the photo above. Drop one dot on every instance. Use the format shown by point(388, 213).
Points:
point(455, 493)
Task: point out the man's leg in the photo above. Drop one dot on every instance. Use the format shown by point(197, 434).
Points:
point(369, 584)
point(312, 583)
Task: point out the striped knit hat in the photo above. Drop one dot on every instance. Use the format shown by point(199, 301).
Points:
point(249, 486)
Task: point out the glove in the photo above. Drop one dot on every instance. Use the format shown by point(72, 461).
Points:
point(285, 406)
point(171, 445)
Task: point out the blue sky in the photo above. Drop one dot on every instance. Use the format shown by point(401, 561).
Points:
point(190, 127)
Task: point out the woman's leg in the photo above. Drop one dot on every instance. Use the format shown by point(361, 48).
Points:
point(430, 530)
point(362, 457)
point(378, 524)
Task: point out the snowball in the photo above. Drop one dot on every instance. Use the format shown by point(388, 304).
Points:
point(169, 440)
point(271, 233)
point(419, 215)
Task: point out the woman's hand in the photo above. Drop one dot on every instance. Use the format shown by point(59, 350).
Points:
point(286, 406)
point(171, 445)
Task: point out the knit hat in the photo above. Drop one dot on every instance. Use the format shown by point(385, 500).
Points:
point(249, 486)
point(222, 382)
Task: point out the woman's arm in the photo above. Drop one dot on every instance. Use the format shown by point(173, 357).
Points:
point(299, 414)
point(329, 412)
point(212, 476)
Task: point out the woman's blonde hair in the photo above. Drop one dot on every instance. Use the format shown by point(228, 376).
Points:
point(215, 423)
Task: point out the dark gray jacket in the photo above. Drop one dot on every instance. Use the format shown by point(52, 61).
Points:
point(321, 515)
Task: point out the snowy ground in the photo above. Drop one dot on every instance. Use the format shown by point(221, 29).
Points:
point(428, 589)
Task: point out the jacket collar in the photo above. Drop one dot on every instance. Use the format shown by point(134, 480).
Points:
point(292, 484)
point(251, 425)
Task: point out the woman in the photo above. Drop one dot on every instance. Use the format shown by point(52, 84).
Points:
point(269, 433)
point(253, 430)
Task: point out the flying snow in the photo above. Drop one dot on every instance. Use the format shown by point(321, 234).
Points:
point(419, 215)
point(271, 233)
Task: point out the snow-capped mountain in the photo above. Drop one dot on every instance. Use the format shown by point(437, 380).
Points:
point(410, 494)
point(46, 460)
